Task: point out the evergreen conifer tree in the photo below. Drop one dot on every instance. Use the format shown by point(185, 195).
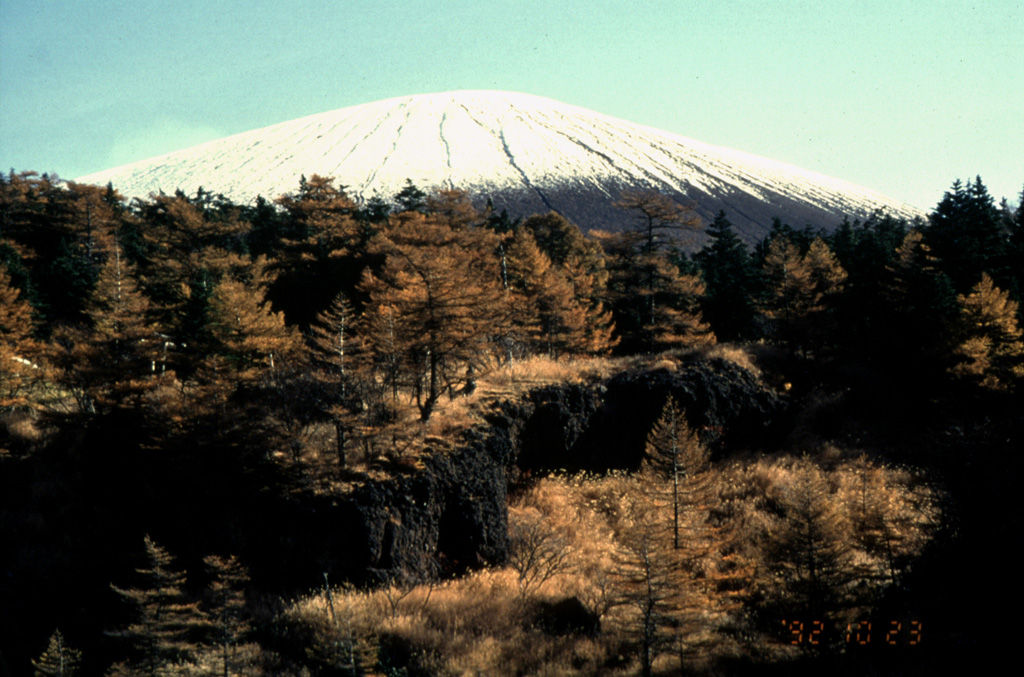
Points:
point(918, 306)
point(267, 227)
point(501, 223)
point(1015, 253)
point(730, 280)
point(865, 248)
point(411, 198)
point(965, 233)
point(654, 306)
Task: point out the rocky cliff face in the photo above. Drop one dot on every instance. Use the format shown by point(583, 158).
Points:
point(453, 512)
point(601, 428)
point(450, 516)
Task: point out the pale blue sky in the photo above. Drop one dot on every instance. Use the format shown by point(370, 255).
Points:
point(902, 97)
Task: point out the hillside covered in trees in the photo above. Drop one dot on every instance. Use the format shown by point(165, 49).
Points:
point(312, 436)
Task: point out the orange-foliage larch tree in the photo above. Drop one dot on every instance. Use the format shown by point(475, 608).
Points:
point(444, 286)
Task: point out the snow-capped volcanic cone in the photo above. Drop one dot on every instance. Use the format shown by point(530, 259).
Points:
point(526, 153)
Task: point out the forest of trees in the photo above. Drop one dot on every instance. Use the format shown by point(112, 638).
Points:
point(195, 335)
point(102, 297)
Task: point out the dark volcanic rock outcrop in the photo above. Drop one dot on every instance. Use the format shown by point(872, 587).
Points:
point(451, 514)
point(448, 516)
point(455, 508)
point(604, 427)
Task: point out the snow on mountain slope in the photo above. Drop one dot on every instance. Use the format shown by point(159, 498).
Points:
point(526, 153)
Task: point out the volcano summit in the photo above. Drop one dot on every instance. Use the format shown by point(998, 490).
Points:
point(525, 153)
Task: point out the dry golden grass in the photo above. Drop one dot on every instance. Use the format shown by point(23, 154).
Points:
point(737, 354)
point(479, 624)
point(881, 514)
point(484, 624)
point(519, 376)
point(475, 625)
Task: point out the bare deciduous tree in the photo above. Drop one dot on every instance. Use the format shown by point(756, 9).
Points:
point(537, 552)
